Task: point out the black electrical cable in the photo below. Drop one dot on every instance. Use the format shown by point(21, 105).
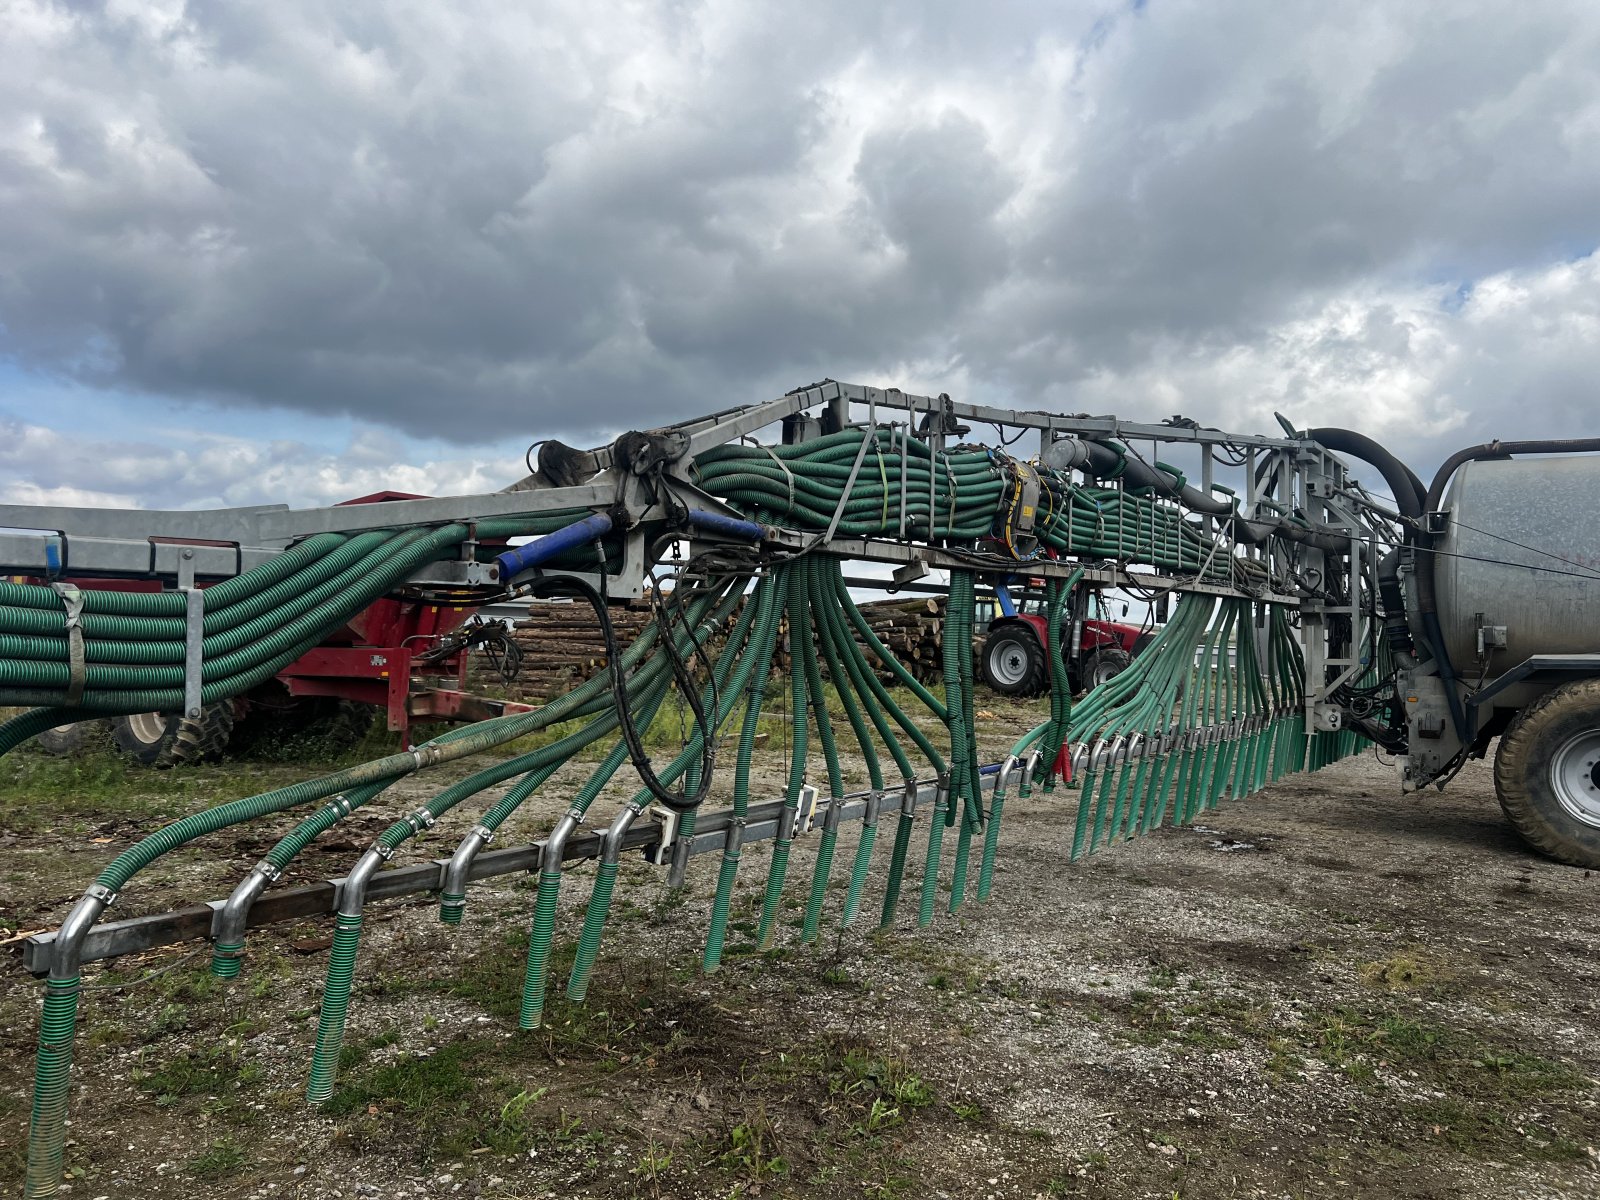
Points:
point(676, 801)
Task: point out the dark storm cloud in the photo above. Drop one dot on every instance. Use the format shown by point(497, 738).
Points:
point(466, 218)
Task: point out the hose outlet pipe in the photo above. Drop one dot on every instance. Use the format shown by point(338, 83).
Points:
point(594, 920)
point(716, 936)
point(930, 868)
point(909, 797)
point(822, 870)
point(1010, 769)
point(228, 926)
point(544, 918)
point(898, 854)
point(47, 1128)
point(453, 888)
point(341, 971)
point(858, 870)
point(1030, 768)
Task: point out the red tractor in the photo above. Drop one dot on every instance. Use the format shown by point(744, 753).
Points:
point(1014, 660)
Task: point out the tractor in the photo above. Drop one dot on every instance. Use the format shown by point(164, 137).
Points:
point(1014, 660)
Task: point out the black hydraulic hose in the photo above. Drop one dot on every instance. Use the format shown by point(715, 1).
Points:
point(685, 801)
point(1103, 460)
point(1402, 480)
point(1396, 630)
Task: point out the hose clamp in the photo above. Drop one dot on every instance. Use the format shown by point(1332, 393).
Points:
point(1097, 756)
point(1030, 768)
point(908, 798)
point(269, 871)
point(830, 819)
point(383, 852)
point(483, 833)
point(421, 820)
point(100, 892)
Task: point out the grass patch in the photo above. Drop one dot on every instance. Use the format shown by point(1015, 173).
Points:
point(1412, 971)
point(223, 1158)
point(218, 1073)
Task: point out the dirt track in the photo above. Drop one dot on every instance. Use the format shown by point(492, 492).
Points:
point(1326, 989)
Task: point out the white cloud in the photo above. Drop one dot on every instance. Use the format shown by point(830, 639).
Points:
point(207, 471)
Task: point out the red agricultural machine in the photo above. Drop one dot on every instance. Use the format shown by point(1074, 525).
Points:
point(1014, 658)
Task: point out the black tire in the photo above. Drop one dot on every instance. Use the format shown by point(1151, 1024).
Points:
point(1143, 641)
point(1547, 774)
point(1014, 662)
point(65, 740)
point(170, 740)
point(1101, 664)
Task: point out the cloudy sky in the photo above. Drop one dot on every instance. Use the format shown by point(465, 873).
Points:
point(301, 250)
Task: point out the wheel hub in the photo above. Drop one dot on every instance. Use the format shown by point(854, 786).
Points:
point(1008, 663)
point(148, 727)
point(1575, 776)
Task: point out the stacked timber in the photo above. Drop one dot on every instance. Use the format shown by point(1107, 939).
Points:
point(913, 631)
point(561, 647)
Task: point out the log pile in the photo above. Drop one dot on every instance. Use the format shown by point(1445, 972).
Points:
point(561, 644)
point(561, 647)
point(913, 630)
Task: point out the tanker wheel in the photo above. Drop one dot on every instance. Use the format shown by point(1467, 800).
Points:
point(1143, 642)
point(158, 739)
point(72, 739)
point(1101, 665)
point(1547, 773)
point(1013, 662)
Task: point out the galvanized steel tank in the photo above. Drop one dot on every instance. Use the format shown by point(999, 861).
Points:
point(1522, 549)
